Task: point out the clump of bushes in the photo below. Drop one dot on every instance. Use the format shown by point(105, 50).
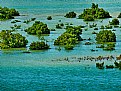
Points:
point(94, 13)
point(108, 27)
point(118, 65)
point(12, 40)
point(119, 16)
point(38, 28)
point(69, 47)
point(88, 18)
point(49, 18)
point(100, 65)
point(29, 20)
point(109, 47)
point(38, 46)
point(105, 36)
point(60, 26)
point(114, 22)
point(6, 13)
point(70, 15)
point(70, 37)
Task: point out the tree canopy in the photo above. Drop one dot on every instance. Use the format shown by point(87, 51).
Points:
point(70, 37)
point(114, 22)
point(70, 15)
point(38, 28)
point(12, 40)
point(38, 46)
point(6, 13)
point(105, 36)
point(94, 13)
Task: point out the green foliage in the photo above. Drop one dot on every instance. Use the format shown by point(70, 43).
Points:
point(70, 15)
point(105, 36)
point(100, 65)
point(66, 38)
point(38, 28)
point(88, 18)
point(49, 18)
point(11, 40)
point(38, 46)
point(70, 37)
point(69, 47)
point(102, 27)
point(94, 13)
point(109, 47)
point(108, 27)
point(118, 65)
point(114, 22)
point(119, 16)
point(6, 13)
point(74, 30)
point(60, 26)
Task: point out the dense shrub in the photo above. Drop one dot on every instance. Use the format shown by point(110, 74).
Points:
point(66, 38)
point(119, 16)
point(69, 47)
point(105, 36)
point(114, 22)
point(38, 28)
point(70, 15)
point(49, 18)
point(70, 37)
point(109, 47)
point(38, 46)
point(12, 40)
point(88, 18)
point(94, 13)
point(6, 13)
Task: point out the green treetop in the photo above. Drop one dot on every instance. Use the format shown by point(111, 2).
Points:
point(94, 13)
point(38, 28)
point(105, 36)
point(6, 13)
point(12, 40)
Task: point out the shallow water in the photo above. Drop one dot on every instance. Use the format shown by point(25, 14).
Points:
point(36, 70)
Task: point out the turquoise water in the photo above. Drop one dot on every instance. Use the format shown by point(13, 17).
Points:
point(37, 71)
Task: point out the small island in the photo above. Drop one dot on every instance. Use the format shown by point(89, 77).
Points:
point(70, 37)
point(94, 13)
point(39, 46)
point(12, 40)
point(119, 16)
point(115, 21)
point(70, 15)
point(6, 13)
point(38, 28)
point(107, 38)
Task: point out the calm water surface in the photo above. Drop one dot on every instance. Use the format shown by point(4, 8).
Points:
point(37, 72)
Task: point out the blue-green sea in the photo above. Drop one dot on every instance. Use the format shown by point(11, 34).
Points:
point(46, 70)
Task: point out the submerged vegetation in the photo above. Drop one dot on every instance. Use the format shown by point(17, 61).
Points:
point(105, 36)
point(70, 15)
point(38, 28)
point(38, 46)
point(6, 13)
point(119, 16)
point(114, 22)
point(70, 37)
point(12, 40)
point(94, 13)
